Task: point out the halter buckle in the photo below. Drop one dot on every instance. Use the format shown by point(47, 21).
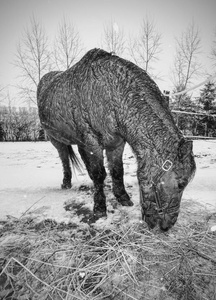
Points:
point(167, 165)
point(160, 211)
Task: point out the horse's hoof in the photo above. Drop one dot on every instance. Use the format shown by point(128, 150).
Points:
point(66, 186)
point(124, 200)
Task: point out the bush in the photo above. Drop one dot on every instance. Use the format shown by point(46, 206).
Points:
point(20, 124)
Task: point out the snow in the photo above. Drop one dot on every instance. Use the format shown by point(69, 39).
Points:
point(203, 186)
point(31, 176)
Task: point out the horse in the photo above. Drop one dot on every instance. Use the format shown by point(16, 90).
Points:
point(102, 102)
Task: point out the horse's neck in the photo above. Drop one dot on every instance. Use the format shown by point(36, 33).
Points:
point(153, 148)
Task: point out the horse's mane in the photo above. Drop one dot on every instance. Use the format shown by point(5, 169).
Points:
point(94, 55)
point(100, 56)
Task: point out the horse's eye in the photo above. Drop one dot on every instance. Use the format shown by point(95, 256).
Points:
point(182, 184)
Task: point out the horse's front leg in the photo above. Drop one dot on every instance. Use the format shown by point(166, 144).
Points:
point(95, 166)
point(115, 165)
point(64, 156)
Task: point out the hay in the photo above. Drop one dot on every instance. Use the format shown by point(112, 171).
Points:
point(58, 261)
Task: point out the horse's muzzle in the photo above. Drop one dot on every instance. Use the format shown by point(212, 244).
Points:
point(164, 220)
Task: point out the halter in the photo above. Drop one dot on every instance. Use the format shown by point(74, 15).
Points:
point(166, 166)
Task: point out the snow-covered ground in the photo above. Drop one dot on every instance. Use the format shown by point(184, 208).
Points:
point(31, 176)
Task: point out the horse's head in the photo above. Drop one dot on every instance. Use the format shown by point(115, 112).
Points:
point(160, 199)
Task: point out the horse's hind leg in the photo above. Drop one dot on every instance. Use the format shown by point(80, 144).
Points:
point(115, 165)
point(64, 156)
point(94, 163)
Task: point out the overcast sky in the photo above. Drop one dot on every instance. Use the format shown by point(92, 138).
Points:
point(89, 17)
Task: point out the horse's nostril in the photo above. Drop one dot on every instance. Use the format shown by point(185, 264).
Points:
point(167, 221)
point(165, 228)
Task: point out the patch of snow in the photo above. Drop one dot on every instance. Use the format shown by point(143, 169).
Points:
point(213, 228)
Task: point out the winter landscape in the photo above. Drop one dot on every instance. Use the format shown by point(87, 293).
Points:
point(54, 252)
point(50, 246)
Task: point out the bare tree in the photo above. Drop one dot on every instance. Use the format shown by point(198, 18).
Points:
point(186, 64)
point(113, 39)
point(2, 95)
point(213, 51)
point(67, 46)
point(32, 59)
point(1, 89)
point(146, 47)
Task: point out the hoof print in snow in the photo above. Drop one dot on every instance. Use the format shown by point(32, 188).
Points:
point(80, 210)
point(68, 207)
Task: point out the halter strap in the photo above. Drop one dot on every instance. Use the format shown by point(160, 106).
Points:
point(166, 166)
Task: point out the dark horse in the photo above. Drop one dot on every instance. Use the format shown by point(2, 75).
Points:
point(102, 102)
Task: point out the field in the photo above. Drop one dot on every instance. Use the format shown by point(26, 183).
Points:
point(49, 249)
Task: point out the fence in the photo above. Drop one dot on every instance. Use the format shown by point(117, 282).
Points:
point(196, 124)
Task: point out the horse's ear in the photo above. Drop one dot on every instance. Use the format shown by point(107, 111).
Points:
point(185, 148)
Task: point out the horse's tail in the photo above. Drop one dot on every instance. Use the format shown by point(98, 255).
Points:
point(74, 159)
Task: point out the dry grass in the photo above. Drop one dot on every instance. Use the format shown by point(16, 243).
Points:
point(58, 261)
